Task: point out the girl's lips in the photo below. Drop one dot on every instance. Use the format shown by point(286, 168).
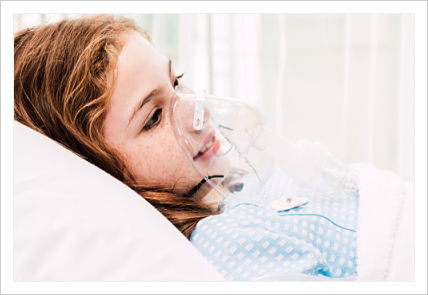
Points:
point(207, 153)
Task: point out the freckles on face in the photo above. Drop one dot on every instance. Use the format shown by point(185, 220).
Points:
point(157, 159)
point(137, 123)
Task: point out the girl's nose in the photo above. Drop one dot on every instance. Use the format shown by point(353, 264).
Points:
point(191, 120)
point(201, 115)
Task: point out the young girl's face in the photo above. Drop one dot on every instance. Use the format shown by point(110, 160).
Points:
point(138, 125)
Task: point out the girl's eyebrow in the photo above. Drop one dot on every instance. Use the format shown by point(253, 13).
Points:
point(149, 96)
point(142, 103)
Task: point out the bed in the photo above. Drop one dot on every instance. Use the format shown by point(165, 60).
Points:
point(74, 222)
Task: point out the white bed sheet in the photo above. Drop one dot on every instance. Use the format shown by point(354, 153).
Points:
point(74, 222)
point(385, 245)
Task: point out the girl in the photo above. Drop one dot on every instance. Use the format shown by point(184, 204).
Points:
point(98, 86)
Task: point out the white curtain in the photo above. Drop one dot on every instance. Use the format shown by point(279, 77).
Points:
point(345, 80)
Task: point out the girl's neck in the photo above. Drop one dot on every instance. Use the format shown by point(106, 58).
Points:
point(211, 197)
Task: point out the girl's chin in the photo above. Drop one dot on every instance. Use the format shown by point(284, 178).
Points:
point(218, 166)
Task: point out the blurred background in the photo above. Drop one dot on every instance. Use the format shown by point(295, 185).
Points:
point(344, 80)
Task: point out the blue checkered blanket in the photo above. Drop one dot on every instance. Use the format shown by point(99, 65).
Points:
point(253, 240)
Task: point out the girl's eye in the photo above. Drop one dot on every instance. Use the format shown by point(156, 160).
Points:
point(154, 120)
point(176, 81)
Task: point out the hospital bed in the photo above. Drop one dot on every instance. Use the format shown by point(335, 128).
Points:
point(74, 222)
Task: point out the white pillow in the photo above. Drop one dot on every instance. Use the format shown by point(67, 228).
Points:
point(74, 222)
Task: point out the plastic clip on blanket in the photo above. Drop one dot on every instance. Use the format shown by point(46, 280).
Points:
point(288, 202)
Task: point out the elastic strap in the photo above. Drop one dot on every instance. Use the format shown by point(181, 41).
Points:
point(198, 186)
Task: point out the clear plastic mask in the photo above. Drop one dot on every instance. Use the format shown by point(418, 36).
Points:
point(226, 140)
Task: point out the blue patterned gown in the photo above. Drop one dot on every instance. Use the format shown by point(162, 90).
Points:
point(252, 240)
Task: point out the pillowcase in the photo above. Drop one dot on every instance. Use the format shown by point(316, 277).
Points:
point(75, 222)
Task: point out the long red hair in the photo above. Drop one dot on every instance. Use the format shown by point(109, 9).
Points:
point(63, 78)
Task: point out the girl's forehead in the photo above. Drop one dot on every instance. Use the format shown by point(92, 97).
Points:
point(135, 43)
point(138, 56)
